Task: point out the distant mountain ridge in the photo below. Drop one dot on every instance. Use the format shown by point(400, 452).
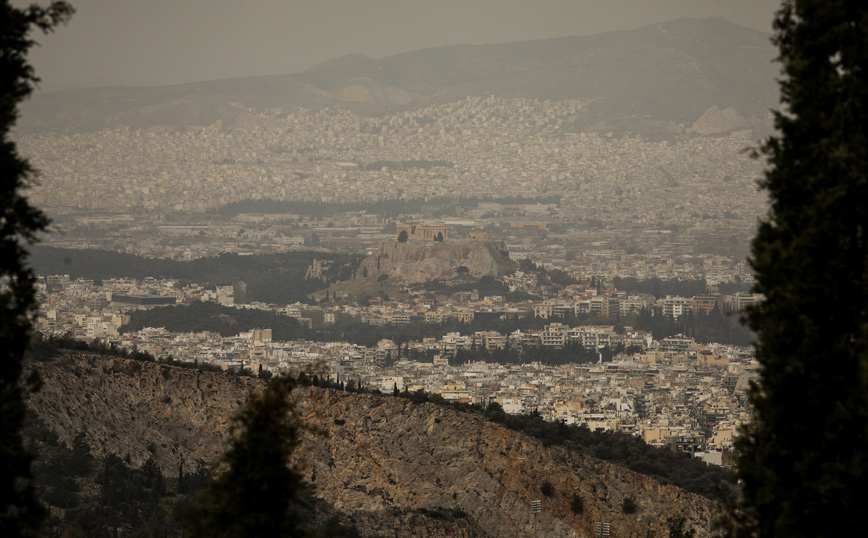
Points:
point(670, 72)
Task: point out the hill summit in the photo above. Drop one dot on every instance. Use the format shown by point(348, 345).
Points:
point(417, 262)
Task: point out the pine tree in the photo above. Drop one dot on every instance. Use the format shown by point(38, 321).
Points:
point(153, 475)
point(803, 460)
point(252, 495)
point(678, 527)
point(182, 478)
point(20, 513)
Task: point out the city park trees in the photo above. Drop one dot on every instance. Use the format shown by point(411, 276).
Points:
point(20, 512)
point(803, 460)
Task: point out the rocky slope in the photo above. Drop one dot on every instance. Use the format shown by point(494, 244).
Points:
point(390, 466)
point(415, 262)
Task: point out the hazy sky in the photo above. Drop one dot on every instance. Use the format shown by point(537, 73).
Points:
point(152, 42)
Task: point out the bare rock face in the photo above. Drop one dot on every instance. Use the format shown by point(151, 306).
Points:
point(132, 408)
point(415, 262)
point(391, 467)
point(388, 452)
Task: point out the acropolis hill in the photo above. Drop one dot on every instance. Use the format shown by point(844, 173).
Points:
point(422, 261)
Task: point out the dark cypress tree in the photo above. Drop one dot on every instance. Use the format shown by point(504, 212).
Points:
point(678, 527)
point(154, 476)
point(803, 460)
point(252, 495)
point(20, 513)
point(182, 478)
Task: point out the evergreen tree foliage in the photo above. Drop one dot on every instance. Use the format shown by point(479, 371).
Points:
point(577, 504)
point(678, 527)
point(253, 494)
point(154, 479)
point(629, 505)
point(803, 460)
point(20, 513)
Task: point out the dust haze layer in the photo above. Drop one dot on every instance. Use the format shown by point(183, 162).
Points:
point(668, 72)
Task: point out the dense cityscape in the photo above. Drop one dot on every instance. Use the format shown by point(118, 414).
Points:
point(561, 269)
point(589, 205)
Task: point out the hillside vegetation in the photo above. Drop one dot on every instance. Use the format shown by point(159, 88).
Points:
point(272, 278)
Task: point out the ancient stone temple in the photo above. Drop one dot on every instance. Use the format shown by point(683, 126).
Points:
point(423, 232)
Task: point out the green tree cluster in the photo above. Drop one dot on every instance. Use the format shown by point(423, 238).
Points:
point(97, 497)
point(271, 278)
point(716, 326)
point(207, 316)
point(803, 460)
point(678, 527)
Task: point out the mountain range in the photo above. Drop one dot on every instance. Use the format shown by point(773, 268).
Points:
point(670, 72)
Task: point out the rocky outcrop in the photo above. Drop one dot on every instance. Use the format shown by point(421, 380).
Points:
point(387, 465)
point(132, 408)
point(422, 261)
point(716, 121)
point(384, 452)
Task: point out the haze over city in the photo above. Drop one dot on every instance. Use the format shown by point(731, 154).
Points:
point(497, 253)
point(165, 42)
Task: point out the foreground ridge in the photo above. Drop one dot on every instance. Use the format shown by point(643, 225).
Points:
point(389, 465)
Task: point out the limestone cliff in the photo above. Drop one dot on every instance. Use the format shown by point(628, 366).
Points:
point(135, 408)
point(414, 262)
point(390, 466)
